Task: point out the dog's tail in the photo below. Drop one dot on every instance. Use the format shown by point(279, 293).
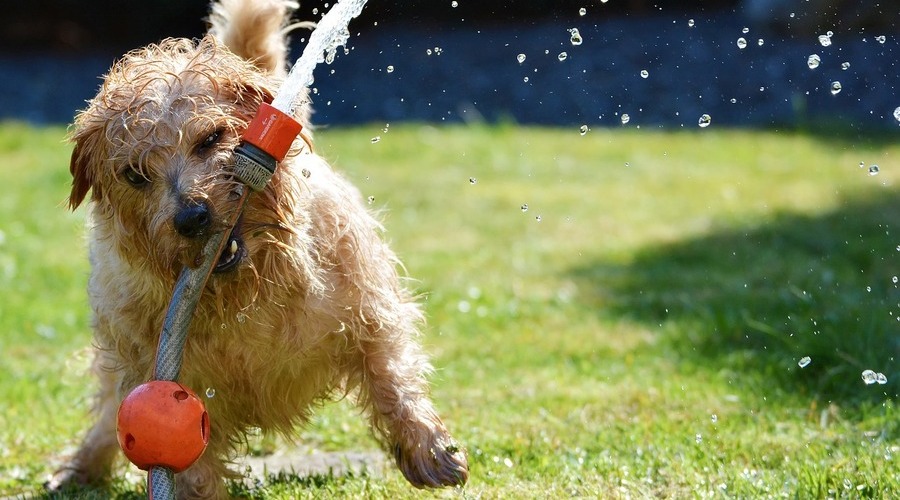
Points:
point(254, 30)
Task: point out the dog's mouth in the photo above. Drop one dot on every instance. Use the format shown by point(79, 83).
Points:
point(234, 252)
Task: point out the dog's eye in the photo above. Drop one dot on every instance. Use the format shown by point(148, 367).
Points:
point(209, 142)
point(135, 178)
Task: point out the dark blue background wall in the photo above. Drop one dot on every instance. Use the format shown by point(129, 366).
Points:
point(460, 64)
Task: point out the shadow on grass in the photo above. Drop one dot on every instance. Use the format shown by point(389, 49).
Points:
point(754, 301)
point(328, 484)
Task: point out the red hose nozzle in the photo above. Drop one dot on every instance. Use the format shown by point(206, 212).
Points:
point(266, 141)
point(272, 131)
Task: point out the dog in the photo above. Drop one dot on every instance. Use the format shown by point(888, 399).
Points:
point(306, 302)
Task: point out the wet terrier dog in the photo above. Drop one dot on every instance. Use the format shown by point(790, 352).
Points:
point(304, 304)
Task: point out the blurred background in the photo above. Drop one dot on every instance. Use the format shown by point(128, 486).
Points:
point(664, 64)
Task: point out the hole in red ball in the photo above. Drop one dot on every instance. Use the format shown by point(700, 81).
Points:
point(129, 441)
point(180, 395)
point(204, 427)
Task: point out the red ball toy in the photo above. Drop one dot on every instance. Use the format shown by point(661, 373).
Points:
point(162, 424)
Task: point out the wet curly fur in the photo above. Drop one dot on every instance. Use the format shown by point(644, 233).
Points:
point(313, 309)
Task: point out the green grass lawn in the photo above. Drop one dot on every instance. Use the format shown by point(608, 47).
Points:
point(636, 331)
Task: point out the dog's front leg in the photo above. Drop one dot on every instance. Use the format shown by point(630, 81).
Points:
point(93, 461)
point(394, 385)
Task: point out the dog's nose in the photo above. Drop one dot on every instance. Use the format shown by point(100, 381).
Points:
point(192, 220)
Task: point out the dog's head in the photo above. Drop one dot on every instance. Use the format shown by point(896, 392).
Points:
point(153, 149)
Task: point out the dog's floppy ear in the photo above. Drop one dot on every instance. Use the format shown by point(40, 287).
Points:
point(256, 90)
point(82, 173)
point(250, 91)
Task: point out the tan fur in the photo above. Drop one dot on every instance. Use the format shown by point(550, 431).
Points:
point(316, 309)
point(253, 31)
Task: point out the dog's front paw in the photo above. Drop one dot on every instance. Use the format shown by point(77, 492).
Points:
point(66, 477)
point(433, 462)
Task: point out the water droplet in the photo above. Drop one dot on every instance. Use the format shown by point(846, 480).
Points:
point(210, 392)
point(742, 43)
point(371, 199)
point(454, 4)
point(375, 139)
point(525, 79)
point(733, 100)
point(848, 484)
point(813, 61)
point(760, 42)
point(241, 317)
point(880, 378)
point(625, 118)
point(520, 58)
point(473, 180)
point(525, 209)
point(690, 23)
point(745, 30)
point(583, 130)
point(873, 170)
point(575, 36)
point(224, 326)
point(869, 377)
point(582, 11)
point(428, 52)
point(644, 73)
point(862, 164)
point(897, 114)
point(894, 280)
point(824, 40)
point(562, 56)
point(845, 66)
point(698, 438)
point(538, 218)
point(704, 120)
point(835, 88)
point(881, 39)
point(390, 69)
point(306, 173)
point(804, 362)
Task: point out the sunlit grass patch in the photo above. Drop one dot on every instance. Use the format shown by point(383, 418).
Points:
point(619, 313)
